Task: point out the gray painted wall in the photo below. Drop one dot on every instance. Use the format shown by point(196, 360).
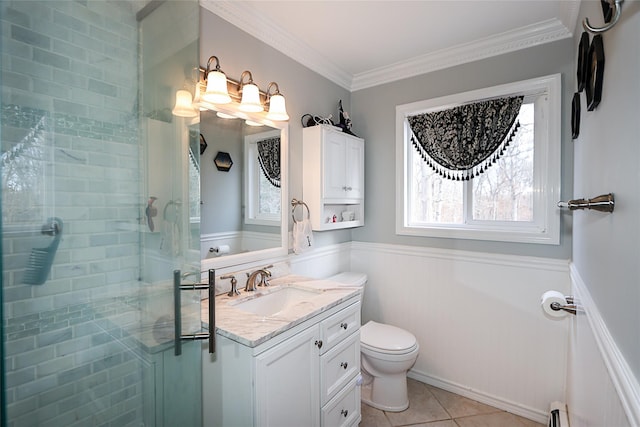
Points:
point(305, 91)
point(221, 192)
point(606, 248)
point(374, 119)
point(373, 114)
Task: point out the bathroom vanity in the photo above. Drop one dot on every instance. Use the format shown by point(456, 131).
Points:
point(288, 355)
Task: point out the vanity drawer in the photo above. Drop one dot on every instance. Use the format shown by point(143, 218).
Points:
point(344, 409)
point(337, 327)
point(338, 366)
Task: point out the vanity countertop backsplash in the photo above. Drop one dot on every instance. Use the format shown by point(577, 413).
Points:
point(252, 329)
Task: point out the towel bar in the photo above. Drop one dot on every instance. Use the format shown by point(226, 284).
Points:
point(603, 203)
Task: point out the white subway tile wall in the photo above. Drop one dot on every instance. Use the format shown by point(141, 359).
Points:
point(69, 85)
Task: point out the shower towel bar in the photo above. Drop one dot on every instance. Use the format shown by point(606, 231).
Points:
point(178, 287)
point(294, 204)
point(603, 203)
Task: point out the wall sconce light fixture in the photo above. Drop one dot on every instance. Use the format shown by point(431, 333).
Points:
point(184, 105)
point(216, 92)
point(250, 95)
point(231, 95)
point(277, 109)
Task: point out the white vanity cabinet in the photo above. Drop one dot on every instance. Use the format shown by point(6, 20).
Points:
point(305, 376)
point(286, 378)
point(333, 177)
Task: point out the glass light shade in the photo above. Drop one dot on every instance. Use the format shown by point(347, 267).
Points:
point(225, 115)
point(197, 99)
point(277, 109)
point(217, 92)
point(250, 99)
point(184, 107)
point(252, 123)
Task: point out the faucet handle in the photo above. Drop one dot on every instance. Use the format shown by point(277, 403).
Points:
point(265, 278)
point(234, 283)
point(266, 275)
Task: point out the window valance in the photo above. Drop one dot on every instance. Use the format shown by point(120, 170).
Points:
point(462, 142)
point(269, 159)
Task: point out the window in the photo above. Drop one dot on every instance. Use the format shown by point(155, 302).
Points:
point(514, 200)
point(262, 197)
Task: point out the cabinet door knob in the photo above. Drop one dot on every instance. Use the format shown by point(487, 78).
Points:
point(349, 188)
point(344, 365)
point(344, 325)
point(344, 412)
point(318, 343)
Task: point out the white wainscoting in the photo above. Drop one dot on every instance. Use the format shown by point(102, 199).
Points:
point(238, 242)
point(602, 390)
point(213, 240)
point(477, 318)
point(322, 262)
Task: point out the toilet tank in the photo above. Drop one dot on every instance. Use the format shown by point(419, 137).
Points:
point(351, 278)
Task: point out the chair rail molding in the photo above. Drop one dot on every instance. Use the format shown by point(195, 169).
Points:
point(622, 377)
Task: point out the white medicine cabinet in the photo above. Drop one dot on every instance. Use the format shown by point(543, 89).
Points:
point(333, 179)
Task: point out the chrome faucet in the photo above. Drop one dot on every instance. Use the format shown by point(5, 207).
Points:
point(252, 278)
point(234, 282)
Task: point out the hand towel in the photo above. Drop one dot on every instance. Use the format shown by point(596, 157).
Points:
point(302, 236)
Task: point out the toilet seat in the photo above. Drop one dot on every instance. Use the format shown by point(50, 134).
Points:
point(386, 339)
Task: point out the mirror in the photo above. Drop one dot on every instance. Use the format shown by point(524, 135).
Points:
point(243, 210)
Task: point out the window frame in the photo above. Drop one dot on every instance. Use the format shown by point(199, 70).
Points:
point(545, 228)
point(252, 214)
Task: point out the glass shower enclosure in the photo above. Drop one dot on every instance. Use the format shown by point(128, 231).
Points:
point(98, 212)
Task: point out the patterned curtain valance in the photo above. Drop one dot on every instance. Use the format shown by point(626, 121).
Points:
point(462, 142)
point(269, 159)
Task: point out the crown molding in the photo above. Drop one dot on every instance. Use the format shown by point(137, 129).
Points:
point(510, 41)
point(267, 31)
point(569, 11)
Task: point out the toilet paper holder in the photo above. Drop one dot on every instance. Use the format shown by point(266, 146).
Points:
point(569, 307)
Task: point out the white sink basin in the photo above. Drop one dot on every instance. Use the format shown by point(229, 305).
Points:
point(277, 301)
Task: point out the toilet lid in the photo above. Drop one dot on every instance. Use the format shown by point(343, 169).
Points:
point(386, 337)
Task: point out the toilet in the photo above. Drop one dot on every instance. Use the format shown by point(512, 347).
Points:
point(386, 355)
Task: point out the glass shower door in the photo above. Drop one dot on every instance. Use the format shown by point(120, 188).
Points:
point(88, 140)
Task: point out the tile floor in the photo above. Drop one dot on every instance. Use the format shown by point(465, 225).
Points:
point(433, 407)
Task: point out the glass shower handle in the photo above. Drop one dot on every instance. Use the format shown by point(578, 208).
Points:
point(178, 287)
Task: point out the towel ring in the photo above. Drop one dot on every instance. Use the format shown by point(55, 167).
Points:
point(295, 203)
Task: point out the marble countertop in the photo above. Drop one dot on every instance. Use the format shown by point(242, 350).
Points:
point(252, 329)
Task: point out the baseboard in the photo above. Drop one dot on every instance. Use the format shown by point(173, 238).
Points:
point(506, 405)
point(622, 377)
